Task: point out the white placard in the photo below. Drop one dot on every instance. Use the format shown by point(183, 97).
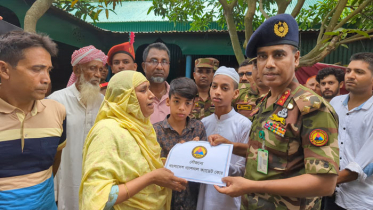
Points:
point(198, 161)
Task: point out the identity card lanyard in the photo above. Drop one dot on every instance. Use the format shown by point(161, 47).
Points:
point(262, 155)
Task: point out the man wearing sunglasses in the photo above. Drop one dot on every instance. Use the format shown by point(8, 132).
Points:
point(156, 65)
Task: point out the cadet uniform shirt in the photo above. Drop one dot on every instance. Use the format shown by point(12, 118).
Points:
point(246, 101)
point(356, 144)
point(309, 145)
point(202, 108)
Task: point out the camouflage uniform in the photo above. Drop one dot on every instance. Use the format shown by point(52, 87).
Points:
point(202, 108)
point(247, 99)
point(294, 154)
point(215, 63)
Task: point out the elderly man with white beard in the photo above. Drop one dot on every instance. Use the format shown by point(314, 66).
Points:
point(82, 99)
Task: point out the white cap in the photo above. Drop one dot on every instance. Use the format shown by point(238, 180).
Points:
point(230, 72)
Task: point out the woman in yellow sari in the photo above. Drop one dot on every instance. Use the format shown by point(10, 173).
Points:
point(122, 168)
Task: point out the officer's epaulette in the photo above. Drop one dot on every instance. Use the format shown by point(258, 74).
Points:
point(307, 101)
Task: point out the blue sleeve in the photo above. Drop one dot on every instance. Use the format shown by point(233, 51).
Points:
point(112, 197)
point(368, 170)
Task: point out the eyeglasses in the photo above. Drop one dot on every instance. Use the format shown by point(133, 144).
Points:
point(154, 62)
point(246, 73)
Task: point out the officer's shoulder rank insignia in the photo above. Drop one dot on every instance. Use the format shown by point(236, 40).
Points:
point(318, 137)
point(283, 98)
point(281, 29)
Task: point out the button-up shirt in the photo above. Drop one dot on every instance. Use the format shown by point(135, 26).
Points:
point(167, 138)
point(236, 128)
point(355, 140)
point(161, 110)
point(81, 120)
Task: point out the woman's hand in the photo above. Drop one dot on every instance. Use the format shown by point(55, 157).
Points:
point(165, 178)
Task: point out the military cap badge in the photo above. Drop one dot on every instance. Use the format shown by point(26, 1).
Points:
point(281, 29)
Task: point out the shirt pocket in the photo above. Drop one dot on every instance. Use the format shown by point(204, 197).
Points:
point(277, 147)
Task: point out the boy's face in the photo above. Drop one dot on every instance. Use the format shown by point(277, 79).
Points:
point(222, 91)
point(180, 107)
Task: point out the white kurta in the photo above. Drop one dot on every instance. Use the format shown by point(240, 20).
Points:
point(236, 128)
point(80, 120)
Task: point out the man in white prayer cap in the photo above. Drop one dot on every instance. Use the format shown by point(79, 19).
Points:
point(82, 100)
point(224, 126)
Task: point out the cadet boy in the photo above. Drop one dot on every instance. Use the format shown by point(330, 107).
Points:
point(203, 73)
point(293, 148)
point(249, 94)
point(178, 127)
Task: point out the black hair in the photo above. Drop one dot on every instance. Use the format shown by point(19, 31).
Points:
point(338, 73)
point(183, 87)
point(13, 43)
point(294, 49)
point(364, 56)
point(246, 62)
point(157, 45)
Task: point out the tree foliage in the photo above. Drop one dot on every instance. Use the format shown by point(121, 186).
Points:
point(338, 21)
point(83, 8)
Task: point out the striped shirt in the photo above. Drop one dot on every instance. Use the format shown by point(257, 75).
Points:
point(28, 145)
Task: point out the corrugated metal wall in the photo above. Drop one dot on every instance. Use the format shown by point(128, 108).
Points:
point(151, 26)
point(339, 56)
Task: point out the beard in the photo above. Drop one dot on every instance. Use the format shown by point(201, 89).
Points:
point(334, 94)
point(89, 92)
point(157, 79)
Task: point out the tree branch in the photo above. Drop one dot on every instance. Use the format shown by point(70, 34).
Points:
point(38, 8)
point(282, 5)
point(233, 4)
point(338, 11)
point(224, 3)
point(358, 35)
point(262, 10)
point(322, 28)
point(315, 55)
point(349, 40)
point(297, 8)
point(249, 17)
point(352, 14)
point(228, 14)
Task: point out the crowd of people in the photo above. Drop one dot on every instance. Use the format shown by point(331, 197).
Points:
point(102, 143)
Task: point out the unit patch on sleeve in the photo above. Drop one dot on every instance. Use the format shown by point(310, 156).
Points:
point(318, 137)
